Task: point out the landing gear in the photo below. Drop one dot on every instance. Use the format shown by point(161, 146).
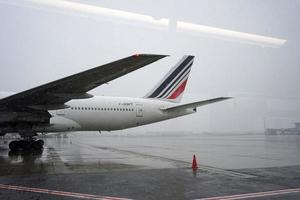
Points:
point(26, 145)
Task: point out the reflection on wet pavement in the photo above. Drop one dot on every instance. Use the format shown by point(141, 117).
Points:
point(90, 152)
point(156, 165)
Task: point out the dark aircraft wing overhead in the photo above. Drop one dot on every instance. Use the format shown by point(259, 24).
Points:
point(55, 94)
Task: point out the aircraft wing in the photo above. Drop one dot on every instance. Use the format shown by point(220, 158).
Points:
point(55, 94)
point(194, 104)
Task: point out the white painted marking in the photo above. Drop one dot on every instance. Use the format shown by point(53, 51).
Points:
point(254, 195)
point(59, 193)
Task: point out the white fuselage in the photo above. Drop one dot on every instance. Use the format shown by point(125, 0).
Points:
point(104, 113)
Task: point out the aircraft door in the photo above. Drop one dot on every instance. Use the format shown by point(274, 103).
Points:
point(139, 110)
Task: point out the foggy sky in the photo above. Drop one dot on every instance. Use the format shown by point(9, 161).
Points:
point(41, 44)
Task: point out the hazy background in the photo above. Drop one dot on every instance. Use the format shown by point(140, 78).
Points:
point(40, 43)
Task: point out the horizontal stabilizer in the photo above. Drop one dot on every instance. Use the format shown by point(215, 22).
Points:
point(195, 104)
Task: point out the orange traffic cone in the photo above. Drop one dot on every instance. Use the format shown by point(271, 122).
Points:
point(194, 165)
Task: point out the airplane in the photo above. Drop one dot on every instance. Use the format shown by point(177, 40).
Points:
point(65, 106)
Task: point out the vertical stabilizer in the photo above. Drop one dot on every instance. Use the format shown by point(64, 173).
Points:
point(172, 86)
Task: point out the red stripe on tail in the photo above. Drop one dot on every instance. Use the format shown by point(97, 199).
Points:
point(178, 91)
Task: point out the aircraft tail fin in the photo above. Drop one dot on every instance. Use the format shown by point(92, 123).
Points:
point(173, 84)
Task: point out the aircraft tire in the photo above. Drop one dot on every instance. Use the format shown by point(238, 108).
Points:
point(14, 145)
point(37, 144)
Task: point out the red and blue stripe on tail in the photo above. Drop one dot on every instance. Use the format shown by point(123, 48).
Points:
point(172, 86)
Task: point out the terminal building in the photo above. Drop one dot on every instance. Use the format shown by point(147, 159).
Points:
point(284, 131)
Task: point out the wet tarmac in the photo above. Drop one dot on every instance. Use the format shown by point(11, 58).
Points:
point(154, 166)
